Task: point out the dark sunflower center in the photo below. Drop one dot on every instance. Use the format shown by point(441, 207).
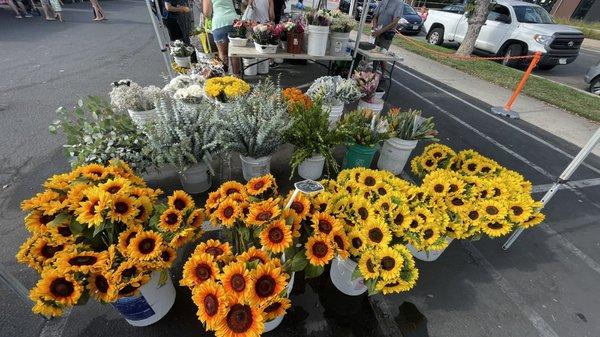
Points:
point(438, 188)
point(298, 207)
point(273, 307)
point(457, 202)
point(165, 256)
point(388, 263)
point(427, 234)
point(214, 251)
point(211, 304)
point(339, 242)
point(258, 185)
point(128, 289)
point(121, 207)
point(429, 162)
point(61, 287)
point(382, 191)
point(264, 216)
point(385, 206)
point(364, 214)
point(370, 266)
point(82, 260)
point(48, 251)
point(497, 192)
point(275, 235)
point(325, 226)
point(113, 189)
point(348, 189)
point(473, 215)
point(95, 173)
point(239, 319)
point(471, 167)
point(101, 283)
point(172, 218)
point(44, 219)
point(231, 191)
point(141, 212)
point(495, 225)
point(517, 210)
point(129, 237)
point(483, 194)
point(129, 272)
point(322, 207)
point(491, 210)
point(265, 286)
point(64, 231)
point(320, 249)
point(375, 235)
point(370, 181)
point(414, 224)
point(238, 282)
point(437, 154)
point(357, 243)
point(203, 272)
point(146, 246)
point(179, 204)
point(453, 188)
point(228, 211)
point(398, 219)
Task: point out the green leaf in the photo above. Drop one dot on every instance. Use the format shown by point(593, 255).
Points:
point(76, 227)
point(252, 264)
point(356, 273)
point(60, 219)
point(99, 228)
point(371, 286)
point(298, 262)
point(312, 271)
point(164, 275)
point(83, 299)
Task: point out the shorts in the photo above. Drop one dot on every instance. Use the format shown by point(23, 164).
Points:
point(382, 42)
point(55, 4)
point(221, 35)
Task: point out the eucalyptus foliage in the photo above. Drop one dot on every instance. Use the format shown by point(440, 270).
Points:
point(256, 124)
point(182, 135)
point(96, 133)
point(310, 135)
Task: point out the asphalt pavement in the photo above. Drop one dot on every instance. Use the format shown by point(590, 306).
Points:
point(546, 285)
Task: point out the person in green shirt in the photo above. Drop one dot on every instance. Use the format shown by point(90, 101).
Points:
point(222, 13)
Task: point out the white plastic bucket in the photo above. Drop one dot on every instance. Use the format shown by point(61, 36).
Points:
point(394, 154)
point(263, 67)
point(255, 167)
point(265, 48)
point(185, 62)
point(251, 68)
point(152, 303)
point(141, 118)
point(317, 40)
point(376, 106)
point(341, 277)
point(335, 113)
point(238, 41)
point(428, 256)
point(337, 43)
point(379, 94)
point(312, 168)
point(195, 179)
point(273, 324)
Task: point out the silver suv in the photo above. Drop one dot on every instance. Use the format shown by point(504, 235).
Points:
point(593, 79)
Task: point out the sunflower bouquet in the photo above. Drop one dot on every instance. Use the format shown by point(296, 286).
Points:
point(480, 196)
point(374, 209)
point(99, 231)
point(226, 88)
point(236, 293)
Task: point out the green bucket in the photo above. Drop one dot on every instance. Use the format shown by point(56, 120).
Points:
point(359, 156)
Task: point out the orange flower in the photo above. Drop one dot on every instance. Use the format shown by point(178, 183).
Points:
point(263, 212)
point(276, 237)
point(236, 279)
point(267, 282)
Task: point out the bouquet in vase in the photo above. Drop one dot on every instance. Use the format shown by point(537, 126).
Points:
point(367, 82)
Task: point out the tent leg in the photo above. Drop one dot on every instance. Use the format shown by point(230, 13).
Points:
point(563, 179)
point(161, 44)
point(13, 284)
point(361, 25)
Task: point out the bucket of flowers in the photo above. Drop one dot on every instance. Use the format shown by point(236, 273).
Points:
point(224, 90)
point(341, 26)
point(98, 231)
point(367, 82)
point(364, 131)
point(239, 36)
point(406, 128)
point(376, 261)
point(294, 34)
point(192, 95)
point(182, 53)
point(139, 102)
point(334, 92)
point(265, 39)
point(318, 31)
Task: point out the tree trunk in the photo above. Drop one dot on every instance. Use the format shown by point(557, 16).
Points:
point(476, 21)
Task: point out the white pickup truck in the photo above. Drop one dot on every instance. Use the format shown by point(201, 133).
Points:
point(512, 28)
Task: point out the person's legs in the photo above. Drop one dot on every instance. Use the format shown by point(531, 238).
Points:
point(57, 9)
point(173, 29)
point(98, 10)
point(48, 12)
point(14, 7)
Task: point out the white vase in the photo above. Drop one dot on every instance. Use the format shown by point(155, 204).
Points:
point(238, 41)
point(273, 324)
point(394, 154)
point(335, 113)
point(195, 179)
point(376, 106)
point(341, 277)
point(337, 43)
point(153, 302)
point(312, 168)
point(185, 61)
point(141, 118)
point(255, 167)
point(317, 40)
point(430, 255)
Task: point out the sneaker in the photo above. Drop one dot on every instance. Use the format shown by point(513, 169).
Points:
point(18, 16)
point(27, 15)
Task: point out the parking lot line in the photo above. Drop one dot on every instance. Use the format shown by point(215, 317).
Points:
point(574, 184)
point(502, 120)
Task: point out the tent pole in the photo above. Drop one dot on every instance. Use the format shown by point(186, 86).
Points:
point(361, 25)
point(162, 45)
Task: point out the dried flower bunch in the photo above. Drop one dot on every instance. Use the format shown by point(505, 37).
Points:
point(128, 95)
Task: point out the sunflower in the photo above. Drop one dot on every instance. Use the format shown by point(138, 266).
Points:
point(92, 171)
point(325, 223)
point(261, 185)
point(362, 209)
point(321, 202)
point(276, 237)
point(357, 242)
point(319, 250)
point(235, 279)
point(241, 319)
point(227, 213)
point(170, 220)
point(124, 209)
point(496, 228)
point(36, 221)
point(376, 232)
point(58, 287)
point(145, 208)
point(384, 205)
point(183, 237)
point(83, 262)
point(341, 243)
point(126, 237)
point(168, 255)
point(368, 178)
point(145, 246)
point(43, 249)
point(254, 254)
point(397, 285)
point(47, 309)
point(436, 183)
point(368, 266)
point(198, 269)
point(267, 281)
point(90, 211)
point(390, 262)
point(300, 205)
point(75, 195)
point(429, 235)
point(492, 209)
point(400, 218)
point(127, 271)
point(196, 218)
point(232, 187)
point(276, 307)
point(102, 287)
point(210, 297)
point(263, 212)
point(180, 201)
point(520, 209)
point(215, 248)
point(213, 200)
point(533, 220)
point(116, 186)
point(470, 166)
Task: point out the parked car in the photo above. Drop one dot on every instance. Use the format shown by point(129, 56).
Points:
point(411, 22)
point(592, 77)
point(512, 28)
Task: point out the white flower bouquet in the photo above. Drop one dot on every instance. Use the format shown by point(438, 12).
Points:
point(192, 94)
point(128, 95)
